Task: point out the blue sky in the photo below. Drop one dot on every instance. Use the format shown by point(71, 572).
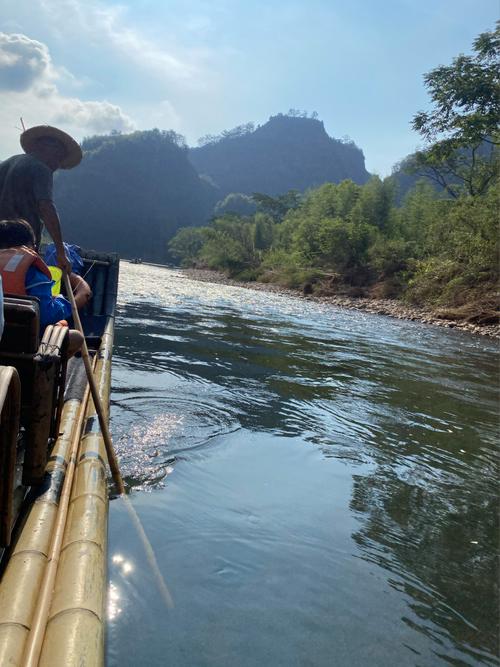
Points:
point(202, 66)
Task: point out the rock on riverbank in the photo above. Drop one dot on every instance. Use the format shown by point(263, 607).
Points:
point(389, 307)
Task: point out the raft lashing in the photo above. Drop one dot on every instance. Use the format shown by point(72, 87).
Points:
point(72, 633)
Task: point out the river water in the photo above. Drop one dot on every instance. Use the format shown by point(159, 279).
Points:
point(319, 485)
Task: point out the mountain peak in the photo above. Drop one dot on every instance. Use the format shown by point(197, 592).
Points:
point(290, 151)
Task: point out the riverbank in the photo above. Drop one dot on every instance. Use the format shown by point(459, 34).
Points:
point(389, 307)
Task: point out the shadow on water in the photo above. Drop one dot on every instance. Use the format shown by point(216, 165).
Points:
point(407, 414)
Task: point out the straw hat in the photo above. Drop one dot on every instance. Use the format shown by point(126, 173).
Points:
point(73, 150)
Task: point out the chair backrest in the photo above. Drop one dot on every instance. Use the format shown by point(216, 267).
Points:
point(22, 325)
point(41, 366)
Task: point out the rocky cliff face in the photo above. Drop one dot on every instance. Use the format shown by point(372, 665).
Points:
point(286, 153)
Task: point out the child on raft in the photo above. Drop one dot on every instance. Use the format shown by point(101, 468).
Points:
point(24, 272)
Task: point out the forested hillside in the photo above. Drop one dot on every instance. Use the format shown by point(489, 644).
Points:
point(131, 193)
point(289, 152)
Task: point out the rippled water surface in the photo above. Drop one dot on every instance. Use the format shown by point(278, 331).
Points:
point(319, 486)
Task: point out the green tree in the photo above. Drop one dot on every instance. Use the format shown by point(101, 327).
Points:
point(344, 246)
point(187, 243)
point(347, 195)
point(421, 209)
point(331, 200)
point(461, 256)
point(461, 129)
point(374, 204)
point(277, 207)
point(229, 244)
point(221, 251)
point(263, 231)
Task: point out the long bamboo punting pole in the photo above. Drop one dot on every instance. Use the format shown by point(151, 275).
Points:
point(113, 463)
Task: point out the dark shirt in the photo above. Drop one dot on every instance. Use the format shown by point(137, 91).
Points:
point(24, 182)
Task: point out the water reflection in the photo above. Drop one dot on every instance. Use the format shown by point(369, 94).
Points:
point(114, 609)
point(400, 514)
point(439, 541)
point(121, 567)
point(126, 566)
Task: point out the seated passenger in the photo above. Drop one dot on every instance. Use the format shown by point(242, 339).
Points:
point(24, 272)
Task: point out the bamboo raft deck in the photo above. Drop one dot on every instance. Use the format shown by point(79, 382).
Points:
point(72, 544)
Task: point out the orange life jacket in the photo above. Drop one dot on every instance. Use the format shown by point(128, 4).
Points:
point(14, 265)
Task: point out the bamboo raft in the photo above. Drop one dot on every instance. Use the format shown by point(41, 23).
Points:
point(54, 492)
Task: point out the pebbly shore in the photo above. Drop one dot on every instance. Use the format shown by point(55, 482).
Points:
point(389, 307)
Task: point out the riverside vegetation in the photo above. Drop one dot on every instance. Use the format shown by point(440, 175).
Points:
point(437, 247)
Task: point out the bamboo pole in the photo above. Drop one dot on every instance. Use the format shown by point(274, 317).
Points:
point(113, 463)
point(39, 623)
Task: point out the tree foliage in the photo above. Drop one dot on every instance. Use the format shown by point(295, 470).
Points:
point(461, 129)
point(430, 249)
point(465, 96)
point(187, 244)
point(277, 207)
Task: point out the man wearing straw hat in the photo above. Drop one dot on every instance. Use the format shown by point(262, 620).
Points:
point(26, 182)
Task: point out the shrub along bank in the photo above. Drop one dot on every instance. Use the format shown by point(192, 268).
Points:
point(352, 240)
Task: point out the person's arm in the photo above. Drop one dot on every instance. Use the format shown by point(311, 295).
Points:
point(49, 215)
point(81, 290)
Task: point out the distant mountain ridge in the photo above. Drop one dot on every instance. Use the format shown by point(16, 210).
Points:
point(287, 152)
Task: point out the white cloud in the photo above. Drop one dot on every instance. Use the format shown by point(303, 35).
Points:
point(28, 79)
point(23, 62)
point(115, 50)
point(106, 27)
point(97, 117)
